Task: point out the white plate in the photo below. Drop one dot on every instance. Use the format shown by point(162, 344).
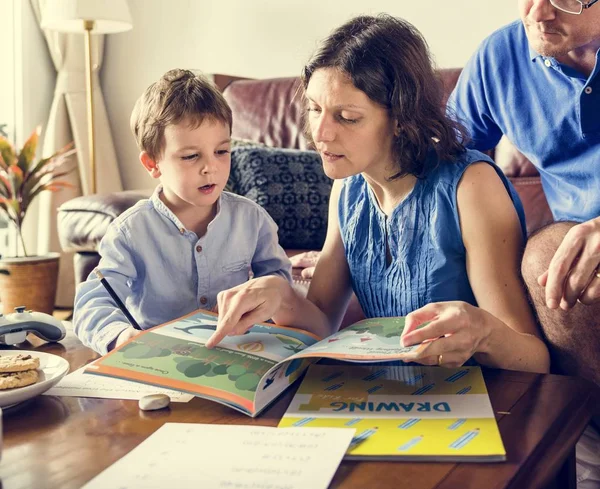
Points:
point(52, 369)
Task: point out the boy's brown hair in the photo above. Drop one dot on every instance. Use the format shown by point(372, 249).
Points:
point(178, 95)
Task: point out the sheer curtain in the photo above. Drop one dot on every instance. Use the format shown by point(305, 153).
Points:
point(68, 122)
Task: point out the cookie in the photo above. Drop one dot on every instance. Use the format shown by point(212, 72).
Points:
point(18, 363)
point(10, 380)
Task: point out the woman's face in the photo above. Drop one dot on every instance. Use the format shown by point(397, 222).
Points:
point(352, 133)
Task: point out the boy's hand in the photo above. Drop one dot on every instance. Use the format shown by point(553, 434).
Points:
point(126, 335)
point(307, 261)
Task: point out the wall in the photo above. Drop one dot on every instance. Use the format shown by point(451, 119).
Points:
point(261, 38)
point(26, 87)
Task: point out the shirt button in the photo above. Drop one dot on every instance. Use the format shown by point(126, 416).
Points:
point(203, 300)
point(199, 248)
point(182, 230)
point(547, 63)
point(588, 90)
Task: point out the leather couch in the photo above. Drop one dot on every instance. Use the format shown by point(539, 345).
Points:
point(267, 111)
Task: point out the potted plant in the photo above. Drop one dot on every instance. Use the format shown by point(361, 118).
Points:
point(26, 280)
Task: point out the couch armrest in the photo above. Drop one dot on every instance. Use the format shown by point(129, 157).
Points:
point(83, 221)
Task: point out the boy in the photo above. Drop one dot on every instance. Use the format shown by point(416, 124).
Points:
point(173, 253)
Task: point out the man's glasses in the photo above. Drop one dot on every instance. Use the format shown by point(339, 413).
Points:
point(572, 6)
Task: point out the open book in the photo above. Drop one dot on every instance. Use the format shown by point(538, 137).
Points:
point(401, 412)
point(249, 371)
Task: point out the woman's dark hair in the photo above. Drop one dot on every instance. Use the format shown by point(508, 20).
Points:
point(389, 60)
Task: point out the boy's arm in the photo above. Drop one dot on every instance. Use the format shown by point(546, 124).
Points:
point(97, 320)
point(269, 257)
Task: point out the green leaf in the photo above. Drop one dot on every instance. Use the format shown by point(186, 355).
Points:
point(15, 177)
point(51, 187)
point(27, 154)
point(50, 164)
point(13, 210)
point(8, 211)
point(7, 151)
point(22, 178)
point(5, 189)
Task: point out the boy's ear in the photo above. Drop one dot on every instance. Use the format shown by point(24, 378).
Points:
point(150, 165)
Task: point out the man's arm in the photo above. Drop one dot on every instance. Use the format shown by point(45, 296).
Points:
point(469, 104)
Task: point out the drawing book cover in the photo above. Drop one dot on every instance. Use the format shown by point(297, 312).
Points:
point(413, 413)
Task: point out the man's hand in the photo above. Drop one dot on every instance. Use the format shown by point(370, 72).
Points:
point(573, 272)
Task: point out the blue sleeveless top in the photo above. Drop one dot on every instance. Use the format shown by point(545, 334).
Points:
point(428, 257)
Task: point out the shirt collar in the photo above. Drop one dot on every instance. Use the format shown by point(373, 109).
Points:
point(533, 54)
point(161, 208)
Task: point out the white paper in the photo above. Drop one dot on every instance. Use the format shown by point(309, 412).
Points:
point(80, 384)
point(192, 456)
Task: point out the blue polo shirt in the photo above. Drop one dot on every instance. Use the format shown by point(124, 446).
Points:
point(549, 111)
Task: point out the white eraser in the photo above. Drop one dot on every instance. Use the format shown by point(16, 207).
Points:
point(152, 402)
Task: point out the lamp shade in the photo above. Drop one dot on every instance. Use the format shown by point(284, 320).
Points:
point(109, 16)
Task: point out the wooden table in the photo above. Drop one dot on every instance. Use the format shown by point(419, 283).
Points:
point(63, 442)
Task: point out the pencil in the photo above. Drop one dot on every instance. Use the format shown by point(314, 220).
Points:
point(115, 297)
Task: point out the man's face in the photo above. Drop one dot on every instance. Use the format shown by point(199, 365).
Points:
point(554, 33)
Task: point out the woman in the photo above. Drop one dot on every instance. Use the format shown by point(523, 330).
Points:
point(418, 225)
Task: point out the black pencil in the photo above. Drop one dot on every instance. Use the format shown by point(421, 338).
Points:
point(115, 297)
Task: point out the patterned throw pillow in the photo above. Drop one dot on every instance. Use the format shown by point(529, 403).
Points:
point(236, 143)
point(290, 185)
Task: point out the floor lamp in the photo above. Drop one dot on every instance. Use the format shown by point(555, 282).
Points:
point(88, 17)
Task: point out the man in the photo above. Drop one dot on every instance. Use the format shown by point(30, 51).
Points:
point(537, 81)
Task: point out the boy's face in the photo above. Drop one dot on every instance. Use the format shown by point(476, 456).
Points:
point(195, 164)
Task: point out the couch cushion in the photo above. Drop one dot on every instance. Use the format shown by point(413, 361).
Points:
point(290, 185)
point(83, 221)
point(268, 111)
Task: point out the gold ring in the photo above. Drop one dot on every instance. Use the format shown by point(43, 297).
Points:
point(440, 360)
point(597, 274)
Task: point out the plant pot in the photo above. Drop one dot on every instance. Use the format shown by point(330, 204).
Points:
point(31, 282)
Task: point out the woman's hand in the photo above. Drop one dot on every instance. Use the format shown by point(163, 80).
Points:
point(573, 272)
point(240, 307)
point(455, 330)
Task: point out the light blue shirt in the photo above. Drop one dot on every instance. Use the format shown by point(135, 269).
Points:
point(161, 270)
point(548, 110)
